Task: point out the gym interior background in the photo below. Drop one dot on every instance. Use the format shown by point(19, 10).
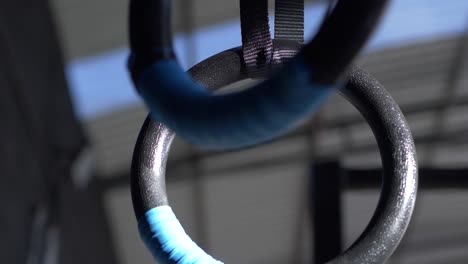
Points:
point(249, 206)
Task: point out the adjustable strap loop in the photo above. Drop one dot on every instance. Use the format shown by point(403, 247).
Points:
point(257, 45)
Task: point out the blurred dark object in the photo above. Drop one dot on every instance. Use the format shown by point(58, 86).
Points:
point(40, 136)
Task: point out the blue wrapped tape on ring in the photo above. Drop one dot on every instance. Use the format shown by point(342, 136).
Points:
point(232, 120)
point(166, 239)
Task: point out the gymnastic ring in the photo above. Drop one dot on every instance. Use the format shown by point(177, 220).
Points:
point(400, 176)
point(270, 108)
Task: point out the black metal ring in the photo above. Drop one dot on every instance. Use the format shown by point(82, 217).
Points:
point(332, 49)
point(395, 207)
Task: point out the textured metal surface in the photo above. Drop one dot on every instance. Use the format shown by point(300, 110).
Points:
point(393, 214)
point(400, 172)
point(149, 167)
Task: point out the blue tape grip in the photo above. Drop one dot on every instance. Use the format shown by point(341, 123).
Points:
point(166, 239)
point(233, 120)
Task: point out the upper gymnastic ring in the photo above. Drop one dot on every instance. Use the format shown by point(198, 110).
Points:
point(399, 188)
point(255, 115)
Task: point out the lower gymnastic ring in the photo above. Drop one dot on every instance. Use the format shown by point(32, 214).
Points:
point(165, 237)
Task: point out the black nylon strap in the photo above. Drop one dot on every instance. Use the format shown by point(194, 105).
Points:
point(259, 51)
point(289, 20)
point(257, 45)
point(289, 30)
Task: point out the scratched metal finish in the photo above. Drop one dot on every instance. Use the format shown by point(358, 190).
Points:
point(399, 188)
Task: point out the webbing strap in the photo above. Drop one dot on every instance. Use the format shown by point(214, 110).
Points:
point(257, 45)
point(289, 20)
point(289, 28)
point(259, 51)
